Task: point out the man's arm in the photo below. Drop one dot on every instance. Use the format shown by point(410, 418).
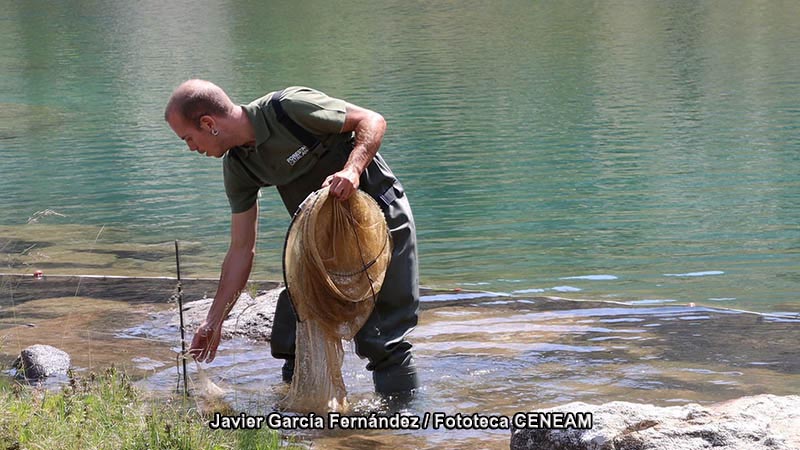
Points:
point(235, 270)
point(369, 128)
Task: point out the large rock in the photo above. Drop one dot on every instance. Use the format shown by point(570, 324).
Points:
point(41, 361)
point(763, 422)
point(250, 317)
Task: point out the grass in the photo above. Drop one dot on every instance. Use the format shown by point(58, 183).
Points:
point(107, 412)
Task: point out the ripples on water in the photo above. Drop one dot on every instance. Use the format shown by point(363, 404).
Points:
point(537, 141)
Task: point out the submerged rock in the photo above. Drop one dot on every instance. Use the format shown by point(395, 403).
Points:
point(41, 361)
point(762, 422)
point(250, 317)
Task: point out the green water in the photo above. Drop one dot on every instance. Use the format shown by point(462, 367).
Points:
point(634, 151)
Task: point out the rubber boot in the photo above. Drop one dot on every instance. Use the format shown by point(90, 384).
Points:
point(396, 379)
point(397, 385)
point(287, 371)
point(282, 340)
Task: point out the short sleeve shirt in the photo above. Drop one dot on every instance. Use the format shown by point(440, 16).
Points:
point(278, 157)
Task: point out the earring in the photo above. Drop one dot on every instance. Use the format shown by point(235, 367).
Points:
point(214, 132)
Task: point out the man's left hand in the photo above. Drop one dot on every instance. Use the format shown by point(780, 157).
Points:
point(343, 183)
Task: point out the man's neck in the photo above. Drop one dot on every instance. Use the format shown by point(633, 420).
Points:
point(243, 128)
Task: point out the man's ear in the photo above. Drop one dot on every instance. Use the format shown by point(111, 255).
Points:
point(207, 123)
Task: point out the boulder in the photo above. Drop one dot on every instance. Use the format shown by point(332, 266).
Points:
point(762, 422)
point(250, 317)
point(41, 361)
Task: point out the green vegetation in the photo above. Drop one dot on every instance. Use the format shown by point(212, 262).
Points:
point(107, 412)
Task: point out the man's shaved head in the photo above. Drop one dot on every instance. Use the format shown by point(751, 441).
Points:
point(196, 98)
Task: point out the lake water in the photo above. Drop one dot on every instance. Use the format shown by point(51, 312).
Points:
point(640, 153)
point(631, 151)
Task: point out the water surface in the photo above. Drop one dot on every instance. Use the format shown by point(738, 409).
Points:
point(542, 143)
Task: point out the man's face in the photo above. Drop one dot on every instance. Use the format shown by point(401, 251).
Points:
point(200, 139)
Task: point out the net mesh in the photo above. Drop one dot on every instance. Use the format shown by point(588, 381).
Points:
point(335, 261)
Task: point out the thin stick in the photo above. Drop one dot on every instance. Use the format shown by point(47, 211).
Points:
point(90, 250)
point(180, 310)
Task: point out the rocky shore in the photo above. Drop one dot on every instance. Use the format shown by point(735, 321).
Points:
point(758, 422)
point(761, 422)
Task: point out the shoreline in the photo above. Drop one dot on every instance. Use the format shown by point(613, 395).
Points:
point(436, 295)
point(478, 353)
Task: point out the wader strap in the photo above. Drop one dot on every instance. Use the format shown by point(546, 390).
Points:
point(300, 133)
point(389, 196)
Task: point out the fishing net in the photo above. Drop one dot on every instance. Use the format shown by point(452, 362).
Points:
point(205, 387)
point(335, 260)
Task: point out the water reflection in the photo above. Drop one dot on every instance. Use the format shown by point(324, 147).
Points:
point(537, 141)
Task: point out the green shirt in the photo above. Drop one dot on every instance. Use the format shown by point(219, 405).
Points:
point(278, 157)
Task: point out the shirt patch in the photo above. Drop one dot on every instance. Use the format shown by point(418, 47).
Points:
point(296, 156)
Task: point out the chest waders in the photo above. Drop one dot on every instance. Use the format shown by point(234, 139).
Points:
point(382, 339)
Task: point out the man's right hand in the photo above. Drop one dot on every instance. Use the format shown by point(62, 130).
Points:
point(205, 342)
point(235, 270)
